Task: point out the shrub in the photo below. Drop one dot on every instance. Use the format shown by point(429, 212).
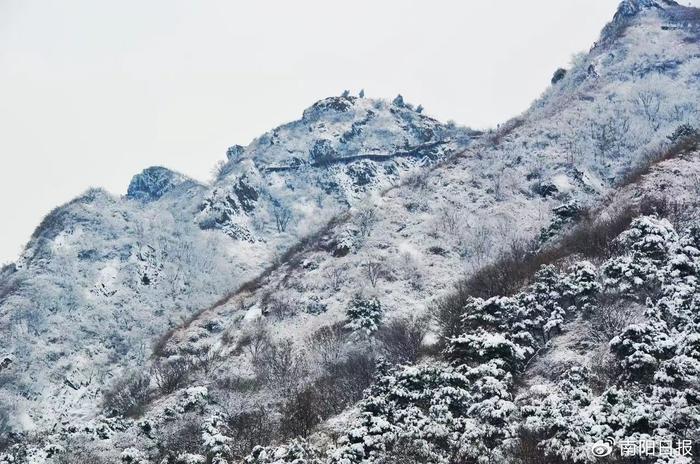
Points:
point(128, 396)
point(449, 311)
point(248, 429)
point(684, 132)
point(341, 386)
point(402, 338)
point(280, 364)
point(5, 428)
point(79, 451)
point(346, 381)
point(328, 343)
point(608, 319)
point(278, 307)
point(302, 413)
point(184, 437)
point(591, 237)
point(171, 374)
point(237, 383)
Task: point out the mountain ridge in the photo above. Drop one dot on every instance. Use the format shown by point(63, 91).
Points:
point(402, 229)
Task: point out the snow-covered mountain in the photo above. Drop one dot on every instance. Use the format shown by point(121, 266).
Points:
point(189, 323)
point(103, 277)
point(341, 150)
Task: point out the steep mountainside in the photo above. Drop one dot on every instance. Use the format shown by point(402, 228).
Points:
point(187, 323)
point(103, 277)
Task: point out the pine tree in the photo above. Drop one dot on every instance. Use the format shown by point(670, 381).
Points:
point(493, 314)
point(364, 315)
point(541, 314)
point(647, 243)
point(297, 451)
point(489, 418)
point(559, 416)
point(482, 347)
point(641, 348)
point(581, 286)
point(214, 441)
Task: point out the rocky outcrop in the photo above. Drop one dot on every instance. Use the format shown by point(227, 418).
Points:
point(154, 182)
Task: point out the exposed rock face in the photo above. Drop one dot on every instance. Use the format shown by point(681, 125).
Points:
point(234, 152)
point(342, 149)
point(626, 12)
point(558, 75)
point(154, 182)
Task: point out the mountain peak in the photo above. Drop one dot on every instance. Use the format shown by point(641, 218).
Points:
point(629, 8)
point(154, 182)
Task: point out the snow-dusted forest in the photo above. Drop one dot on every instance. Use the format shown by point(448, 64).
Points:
point(367, 284)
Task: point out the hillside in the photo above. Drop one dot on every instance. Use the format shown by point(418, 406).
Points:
point(367, 284)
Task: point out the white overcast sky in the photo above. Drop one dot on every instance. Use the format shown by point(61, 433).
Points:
point(93, 91)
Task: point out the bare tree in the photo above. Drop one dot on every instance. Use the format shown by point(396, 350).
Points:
point(5, 428)
point(497, 185)
point(402, 338)
point(256, 340)
point(250, 428)
point(608, 135)
point(649, 105)
point(328, 342)
point(608, 320)
point(277, 304)
point(128, 396)
point(681, 112)
point(282, 216)
point(374, 270)
point(480, 244)
point(302, 413)
point(171, 374)
point(417, 180)
point(449, 219)
point(280, 364)
point(336, 277)
point(366, 219)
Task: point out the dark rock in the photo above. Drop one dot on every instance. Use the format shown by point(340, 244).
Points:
point(5, 363)
point(564, 214)
point(362, 173)
point(331, 104)
point(558, 75)
point(340, 249)
point(437, 250)
point(246, 194)
point(309, 265)
point(234, 152)
point(322, 152)
point(545, 189)
point(152, 183)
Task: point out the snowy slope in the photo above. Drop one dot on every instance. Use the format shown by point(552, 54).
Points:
point(103, 277)
point(388, 203)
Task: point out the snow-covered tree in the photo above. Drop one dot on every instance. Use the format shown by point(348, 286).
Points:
point(297, 451)
point(647, 245)
point(481, 347)
point(364, 314)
